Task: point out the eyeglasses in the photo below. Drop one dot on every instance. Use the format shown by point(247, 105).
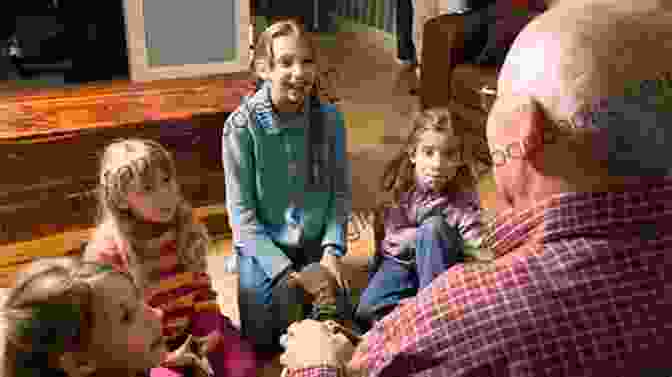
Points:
point(501, 154)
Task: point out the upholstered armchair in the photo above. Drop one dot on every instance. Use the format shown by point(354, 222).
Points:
point(449, 76)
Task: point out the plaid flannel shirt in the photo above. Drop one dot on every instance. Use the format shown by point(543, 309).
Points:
point(578, 289)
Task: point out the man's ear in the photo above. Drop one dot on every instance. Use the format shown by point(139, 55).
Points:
point(531, 121)
point(76, 365)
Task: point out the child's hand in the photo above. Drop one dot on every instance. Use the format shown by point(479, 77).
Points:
point(187, 356)
point(317, 281)
point(335, 266)
point(206, 344)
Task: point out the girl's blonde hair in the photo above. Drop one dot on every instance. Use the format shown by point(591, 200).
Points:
point(48, 312)
point(399, 174)
point(131, 162)
point(264, 57)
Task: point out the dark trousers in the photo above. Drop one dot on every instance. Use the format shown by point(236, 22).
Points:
point(276, 9)
point(438, 247)
point(405, 45)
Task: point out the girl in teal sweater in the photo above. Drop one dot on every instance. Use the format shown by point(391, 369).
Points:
point(287, 182)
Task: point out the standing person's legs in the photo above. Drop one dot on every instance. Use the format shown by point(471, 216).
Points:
point(391, 283)
point(326, 15)
point(307, 10)
point(300, 11)
point(438, 247)
point(405, 47)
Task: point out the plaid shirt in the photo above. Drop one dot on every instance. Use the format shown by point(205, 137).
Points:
point(578, 289)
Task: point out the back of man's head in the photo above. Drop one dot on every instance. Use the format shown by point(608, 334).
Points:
point(604, 60)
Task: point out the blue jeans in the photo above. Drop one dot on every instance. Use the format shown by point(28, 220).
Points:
point(438, 247)
point(268, 307)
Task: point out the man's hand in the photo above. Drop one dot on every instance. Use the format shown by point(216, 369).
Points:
point(335, 266)
point(311, 344)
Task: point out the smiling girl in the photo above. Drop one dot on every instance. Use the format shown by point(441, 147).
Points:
point(147, 228)
point(287, 183)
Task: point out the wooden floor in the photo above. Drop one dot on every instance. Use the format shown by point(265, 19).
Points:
point(375, 99)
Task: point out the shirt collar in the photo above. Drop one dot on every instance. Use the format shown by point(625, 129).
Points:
point(262, 108)
point(422, 187)
point(636, 209)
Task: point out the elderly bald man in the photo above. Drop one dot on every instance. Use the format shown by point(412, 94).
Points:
point(582, 284)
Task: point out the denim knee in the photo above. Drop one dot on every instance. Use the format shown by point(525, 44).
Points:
point(435, 231)
point(372, 307)
point(434, 225)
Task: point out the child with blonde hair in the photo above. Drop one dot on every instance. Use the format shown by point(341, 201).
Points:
point(66, 318)
point(146, 227)
point(287, 183)
point(436, 210)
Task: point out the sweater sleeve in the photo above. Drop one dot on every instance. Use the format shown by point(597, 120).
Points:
point(466, 216)
point(340, 206)
point(241, 202)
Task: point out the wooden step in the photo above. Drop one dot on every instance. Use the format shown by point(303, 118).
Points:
point(16, 255)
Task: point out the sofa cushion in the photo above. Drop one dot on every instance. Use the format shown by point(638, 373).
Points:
point(467, 82)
